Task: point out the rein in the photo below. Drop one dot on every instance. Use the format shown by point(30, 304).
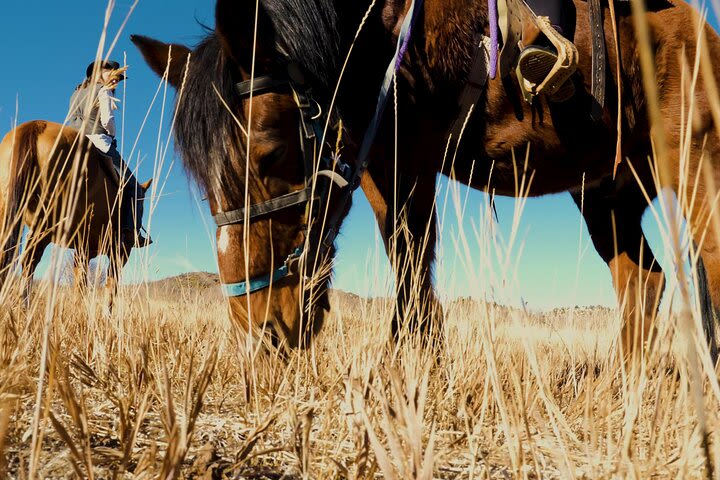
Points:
point(311, 131)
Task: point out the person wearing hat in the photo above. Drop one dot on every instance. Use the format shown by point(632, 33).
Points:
point(95, 116)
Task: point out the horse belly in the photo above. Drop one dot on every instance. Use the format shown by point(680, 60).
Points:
point(559, 145)
point(552, 160)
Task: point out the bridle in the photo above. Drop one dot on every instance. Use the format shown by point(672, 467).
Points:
point(311, 128)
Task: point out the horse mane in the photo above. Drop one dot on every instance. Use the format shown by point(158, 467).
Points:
point(207, 134)
point(310, 36)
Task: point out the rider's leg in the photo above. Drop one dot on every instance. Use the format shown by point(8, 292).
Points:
point(132, 208)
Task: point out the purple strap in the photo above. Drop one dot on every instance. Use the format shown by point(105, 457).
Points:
point(405, 42)
point(493, 18)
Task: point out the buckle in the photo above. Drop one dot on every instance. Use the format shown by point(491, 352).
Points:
point(302, 99)
point(292, 262)
point(293, 265)
point(345, 169)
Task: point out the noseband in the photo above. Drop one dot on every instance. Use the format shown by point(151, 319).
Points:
point(341, 174)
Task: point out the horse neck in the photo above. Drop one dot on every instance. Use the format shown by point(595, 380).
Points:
point(102, 182)
point(371, 53)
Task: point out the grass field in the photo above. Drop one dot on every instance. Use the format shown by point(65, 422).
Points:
point(163, 388)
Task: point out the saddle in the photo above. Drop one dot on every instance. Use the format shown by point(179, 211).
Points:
point(520, 26)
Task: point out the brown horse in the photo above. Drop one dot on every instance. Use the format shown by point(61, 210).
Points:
point(53, 181)
point(568, 149)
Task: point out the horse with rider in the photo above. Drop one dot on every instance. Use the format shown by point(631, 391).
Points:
point(69, 185)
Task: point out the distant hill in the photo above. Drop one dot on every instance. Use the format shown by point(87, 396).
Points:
point(209, 283)
point(187, 283)
point(189, 280)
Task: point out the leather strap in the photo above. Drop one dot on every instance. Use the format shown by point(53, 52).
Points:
point(475, 85)
point(260, 85)
point(599, 59)
point(510, 15)
point(333, 222)
point(291, 199)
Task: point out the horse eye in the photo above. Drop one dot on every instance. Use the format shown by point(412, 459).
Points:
point(275, 154)
point(270, 160)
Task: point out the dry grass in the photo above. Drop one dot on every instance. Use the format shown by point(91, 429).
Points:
point(161, 388)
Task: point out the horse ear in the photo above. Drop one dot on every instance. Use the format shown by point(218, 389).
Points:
point(164, 56)
point(146, 185)
point(235, 26)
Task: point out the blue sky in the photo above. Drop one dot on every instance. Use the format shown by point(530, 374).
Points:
point(45, 46)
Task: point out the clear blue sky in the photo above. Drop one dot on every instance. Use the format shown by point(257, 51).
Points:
point(45, 46)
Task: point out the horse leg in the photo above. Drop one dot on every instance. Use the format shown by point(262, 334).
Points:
point(613, 219)
point(708, 293)
point(31, 259)
point(118, 257)
point(409, 234)
point(706, 235)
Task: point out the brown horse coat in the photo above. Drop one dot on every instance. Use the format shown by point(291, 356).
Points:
point(64, 190)
point(567, 149)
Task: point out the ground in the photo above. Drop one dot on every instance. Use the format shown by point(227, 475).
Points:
point(163, 387)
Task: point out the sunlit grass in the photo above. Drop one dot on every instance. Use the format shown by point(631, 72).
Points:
point(163, 386)
point(509, 392)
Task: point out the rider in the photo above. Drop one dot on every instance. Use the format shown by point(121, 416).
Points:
point(537, 60)
point(100, 83)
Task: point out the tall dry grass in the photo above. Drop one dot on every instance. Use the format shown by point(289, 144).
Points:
point(165, 390)
point(162, 386)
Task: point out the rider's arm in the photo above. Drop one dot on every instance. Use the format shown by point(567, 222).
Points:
point(107, 118)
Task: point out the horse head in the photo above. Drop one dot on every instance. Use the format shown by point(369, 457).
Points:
point(146, 185)
point(249, 132)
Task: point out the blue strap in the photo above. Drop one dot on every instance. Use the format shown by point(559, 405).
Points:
point(258, 283)
point(263, 281)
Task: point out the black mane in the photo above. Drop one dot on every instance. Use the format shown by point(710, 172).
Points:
point(309, 36)
point(210, 142)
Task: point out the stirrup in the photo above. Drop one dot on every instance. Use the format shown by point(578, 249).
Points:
point(534, 66)
point(564, 66)
point(136, 237)
point(142, 241)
